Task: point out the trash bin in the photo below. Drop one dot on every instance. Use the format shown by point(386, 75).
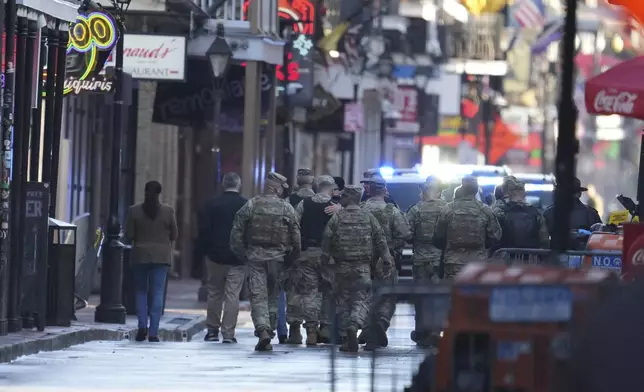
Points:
point(128, 293)
point(61, 273)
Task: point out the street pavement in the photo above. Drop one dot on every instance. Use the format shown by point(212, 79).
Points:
point(126, 366)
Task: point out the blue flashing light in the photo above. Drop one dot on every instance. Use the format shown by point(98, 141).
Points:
point(387, 171)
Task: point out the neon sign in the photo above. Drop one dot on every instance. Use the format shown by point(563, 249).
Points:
point(301, 11)
point(91, 40)
point(293, 70)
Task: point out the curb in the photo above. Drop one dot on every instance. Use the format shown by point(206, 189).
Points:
point(10, 352)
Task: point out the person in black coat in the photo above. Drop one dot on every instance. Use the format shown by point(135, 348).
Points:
point(582, 216)
point(225, 272)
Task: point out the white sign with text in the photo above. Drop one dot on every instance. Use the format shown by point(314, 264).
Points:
point(153, 57)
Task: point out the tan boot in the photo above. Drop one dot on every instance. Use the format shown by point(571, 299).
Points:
point(311, 336)
point(294, 334)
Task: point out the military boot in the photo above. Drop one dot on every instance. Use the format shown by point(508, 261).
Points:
point(362, 339)
point(324, 334)
point(352, 340)
point(377, 337)
point(344, 347)
point(311, 335)
point(264, 343)
point(294, 334)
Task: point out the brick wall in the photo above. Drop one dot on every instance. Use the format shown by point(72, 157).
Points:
point(157, 149)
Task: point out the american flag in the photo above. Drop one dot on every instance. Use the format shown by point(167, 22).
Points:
point(528, 14)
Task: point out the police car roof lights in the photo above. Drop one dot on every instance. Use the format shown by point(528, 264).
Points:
point(489, 181)
point(387, 171)
point(539, 187)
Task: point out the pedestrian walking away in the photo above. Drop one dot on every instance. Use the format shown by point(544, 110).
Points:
point(266, 235)
point(466, 227)
point(152, 228)
point(353, 238)
point(422, 218)
point(309, 285)
point(522, 224)
point(397, 232)
point(226, 273)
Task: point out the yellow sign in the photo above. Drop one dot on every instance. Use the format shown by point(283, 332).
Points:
point(619, 217)
point(478, 7)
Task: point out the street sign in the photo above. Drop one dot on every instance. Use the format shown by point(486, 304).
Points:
point(353, 117)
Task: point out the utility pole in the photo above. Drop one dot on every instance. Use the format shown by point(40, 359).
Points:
point(567, 143)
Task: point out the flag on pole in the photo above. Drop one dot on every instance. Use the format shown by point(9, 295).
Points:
point(552, 31)
point(528, 14)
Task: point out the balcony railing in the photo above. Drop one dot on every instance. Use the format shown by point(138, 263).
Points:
point(238, 10)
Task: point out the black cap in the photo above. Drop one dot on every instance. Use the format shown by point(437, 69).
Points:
point(339, 181)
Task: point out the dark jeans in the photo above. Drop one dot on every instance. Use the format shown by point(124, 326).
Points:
point(150, 278)
point(282, 329)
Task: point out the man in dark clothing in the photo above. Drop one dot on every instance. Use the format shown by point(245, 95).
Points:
point(522, 224)
point(365, 184)
point(225, 272)
point(581, 215)
point(337, 193)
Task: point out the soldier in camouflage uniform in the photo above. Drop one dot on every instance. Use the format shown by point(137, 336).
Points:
point(265, 234)
point(396, 229)
point(502, 191)
point(422, 219)
point(354, 239)
point(307, 281)
point(304, 187)
point(465, 228)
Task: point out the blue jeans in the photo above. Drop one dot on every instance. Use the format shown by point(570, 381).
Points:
point(150, 278)
point(282, 330)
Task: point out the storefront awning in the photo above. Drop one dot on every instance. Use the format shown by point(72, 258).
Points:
point(59, 9)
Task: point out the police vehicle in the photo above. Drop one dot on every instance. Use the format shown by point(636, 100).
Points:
point(540, 188)
point(403, 188)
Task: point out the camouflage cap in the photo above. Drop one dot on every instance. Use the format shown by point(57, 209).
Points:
point(324, 181)
point(277, 179)
point(371, 173)
point(352, 191)
point(513, 184)
point(304, 172)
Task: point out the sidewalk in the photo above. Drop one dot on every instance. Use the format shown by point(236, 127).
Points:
point(184, 318)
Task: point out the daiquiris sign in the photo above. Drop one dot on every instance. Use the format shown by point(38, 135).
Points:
point(91, 39)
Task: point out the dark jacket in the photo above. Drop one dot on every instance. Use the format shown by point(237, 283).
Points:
point(215, 224)
point(581, 216)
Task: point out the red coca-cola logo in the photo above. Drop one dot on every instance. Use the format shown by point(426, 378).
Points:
point(618, 103)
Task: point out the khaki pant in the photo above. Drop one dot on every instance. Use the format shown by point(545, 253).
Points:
point(224, 285)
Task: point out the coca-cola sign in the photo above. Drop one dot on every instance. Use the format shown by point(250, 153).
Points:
point(153, 57)
point(614, 102)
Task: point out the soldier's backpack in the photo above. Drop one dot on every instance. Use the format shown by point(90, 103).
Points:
point(428, 213)
point(385, 218)
point(352, 240)
point(268, 225)
point(520, 226)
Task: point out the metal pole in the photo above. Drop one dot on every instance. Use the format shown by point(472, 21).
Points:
point(546, 121)
point(567, 144)
point(36, 117)
point(383, 138)
point(269, 158)
point(32, 26)
point(50, 97)
point(15, 289)
point(487, 131)
point(110, 309)
point(216, 132)
point(63, 37)
point(289, 135)
point(4, 181)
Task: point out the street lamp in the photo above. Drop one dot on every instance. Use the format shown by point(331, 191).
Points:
point(219, 55)
point(111, 310)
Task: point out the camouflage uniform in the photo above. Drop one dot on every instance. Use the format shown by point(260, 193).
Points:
point(422, 219)
point(265, 231)
point(396, 229)
point(307, 283)
point(465, 228)
point(499, 204)
point(305, 187)
point(353, 238)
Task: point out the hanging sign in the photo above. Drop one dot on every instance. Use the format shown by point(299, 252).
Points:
point(296, 75)
point(91, 40)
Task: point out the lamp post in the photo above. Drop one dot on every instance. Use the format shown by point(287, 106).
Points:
point(219, 55)
point(111, 309)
